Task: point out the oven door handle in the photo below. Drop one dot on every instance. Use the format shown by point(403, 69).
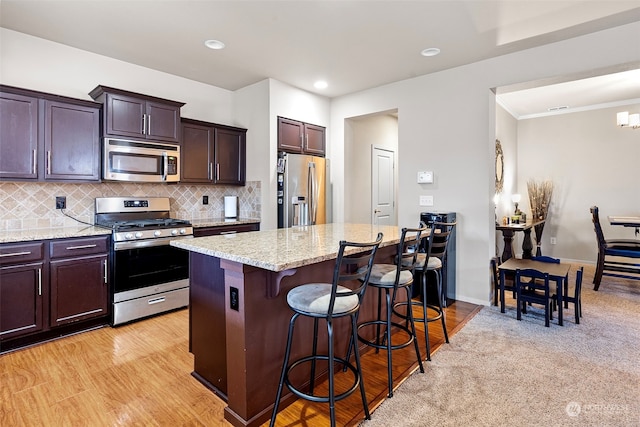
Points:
point(120, 246)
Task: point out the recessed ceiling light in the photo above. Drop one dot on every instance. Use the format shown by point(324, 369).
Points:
point(431, 51)
point(214, 44)
point(559, 107)
point(320, 84)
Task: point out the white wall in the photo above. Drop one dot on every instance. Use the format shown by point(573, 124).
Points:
point(507, 133)
point(447, 124)
point(591, 161)
point(38, 64)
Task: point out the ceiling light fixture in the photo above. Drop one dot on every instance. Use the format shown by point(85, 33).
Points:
point(214, 44)
point(320, 84)
point(626, 120)
point(432, 51)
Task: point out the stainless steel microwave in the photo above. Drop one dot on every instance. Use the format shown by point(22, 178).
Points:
point(138, 161)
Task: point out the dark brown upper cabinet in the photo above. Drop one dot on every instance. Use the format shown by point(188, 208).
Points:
point(212, 153)
point(298, 137)
point(132, 115)
point(45, 137)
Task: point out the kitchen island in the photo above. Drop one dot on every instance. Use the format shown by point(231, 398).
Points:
point(239, 314)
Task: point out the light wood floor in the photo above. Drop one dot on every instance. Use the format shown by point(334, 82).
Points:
point(139, 375)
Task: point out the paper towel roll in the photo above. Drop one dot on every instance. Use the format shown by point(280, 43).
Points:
point(230, 206)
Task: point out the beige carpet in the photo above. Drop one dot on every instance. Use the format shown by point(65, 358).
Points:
point(498, 371)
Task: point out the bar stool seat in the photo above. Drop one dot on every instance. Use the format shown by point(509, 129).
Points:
point(329, 301)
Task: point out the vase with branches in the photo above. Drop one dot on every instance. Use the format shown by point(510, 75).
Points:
point(540, 193)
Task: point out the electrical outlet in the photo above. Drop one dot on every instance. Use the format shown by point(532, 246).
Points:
point(205, 200)
point(234, 298)
point(426, 200)
point(61, 202)
point(553, 240)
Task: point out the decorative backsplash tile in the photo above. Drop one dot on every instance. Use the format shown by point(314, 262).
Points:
point(28, 205)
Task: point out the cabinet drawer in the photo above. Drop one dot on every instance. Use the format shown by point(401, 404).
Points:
point(21, 253)
point(78, 247)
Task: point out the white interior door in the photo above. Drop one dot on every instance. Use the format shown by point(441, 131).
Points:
point(382, 187)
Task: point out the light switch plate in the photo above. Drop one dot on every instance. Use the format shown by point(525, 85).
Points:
point(426, 200)
point(425, 177)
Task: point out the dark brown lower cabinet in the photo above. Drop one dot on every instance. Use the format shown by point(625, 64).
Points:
point(21, 300)
point(52, 288)
point(78, 289)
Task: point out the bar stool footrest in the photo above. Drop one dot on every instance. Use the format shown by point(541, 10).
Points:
point(322, 399)
point(384, 346)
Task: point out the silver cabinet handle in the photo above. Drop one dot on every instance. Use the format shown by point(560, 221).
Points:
point(71, 248)
point(306, 144)
point(217, 171)
point(156, 300)
point(228, 232)
point(105, 271)
point(35, 162)
point(148, 124)
point(39, 282)
point(144, 124)
point(15, 254)
point(210, 171)
point(49, 162)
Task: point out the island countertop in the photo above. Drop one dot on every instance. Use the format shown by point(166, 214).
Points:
point(285, 248)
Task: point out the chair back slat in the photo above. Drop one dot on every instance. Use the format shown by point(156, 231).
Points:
point(348, 271)
point(439, 238)
point(595, 216)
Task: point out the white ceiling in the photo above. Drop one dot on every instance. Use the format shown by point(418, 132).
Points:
point(353, 45)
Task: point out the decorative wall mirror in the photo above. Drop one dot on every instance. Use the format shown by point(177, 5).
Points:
point(499, 167)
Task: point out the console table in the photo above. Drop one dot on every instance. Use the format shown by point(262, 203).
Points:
point(508, 231)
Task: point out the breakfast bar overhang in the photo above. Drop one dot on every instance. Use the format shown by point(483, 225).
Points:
point(238, 311)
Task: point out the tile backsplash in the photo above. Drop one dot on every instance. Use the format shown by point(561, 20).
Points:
point(28, 205)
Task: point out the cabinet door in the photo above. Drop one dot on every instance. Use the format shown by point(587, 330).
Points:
point(124, 116)
point(163, 122)
point(314, 139)
point(79, 289)
point(230, 156)
point(290, 135)
point(196, 155)
point(71, 142)
point(18, 136)
point(21, 300)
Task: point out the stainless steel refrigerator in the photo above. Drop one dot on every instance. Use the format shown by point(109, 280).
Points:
point(302, 190)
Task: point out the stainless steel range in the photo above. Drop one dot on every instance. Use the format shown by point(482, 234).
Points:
point(148, 275)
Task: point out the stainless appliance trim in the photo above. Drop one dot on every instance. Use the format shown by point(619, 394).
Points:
point(149, 305)
point(120, 246)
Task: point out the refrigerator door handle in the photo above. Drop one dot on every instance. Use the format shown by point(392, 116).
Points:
point(311, 192)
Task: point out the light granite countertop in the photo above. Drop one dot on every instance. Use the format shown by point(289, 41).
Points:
point(286, 248)
point(28, 235)
point(51, 233)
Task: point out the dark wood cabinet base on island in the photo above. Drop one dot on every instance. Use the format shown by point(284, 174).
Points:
point(239, 313)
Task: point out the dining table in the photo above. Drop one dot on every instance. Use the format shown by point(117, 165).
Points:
point(558, 272)
point(626, 221)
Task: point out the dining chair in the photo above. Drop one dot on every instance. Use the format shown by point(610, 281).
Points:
point(575, 299)
point(532, 286)
point(624, 251)
point(329, 301)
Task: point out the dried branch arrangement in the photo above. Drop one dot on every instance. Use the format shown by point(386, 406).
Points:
point(539, 198)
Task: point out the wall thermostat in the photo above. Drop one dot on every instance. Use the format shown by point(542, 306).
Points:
point(425, 177)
